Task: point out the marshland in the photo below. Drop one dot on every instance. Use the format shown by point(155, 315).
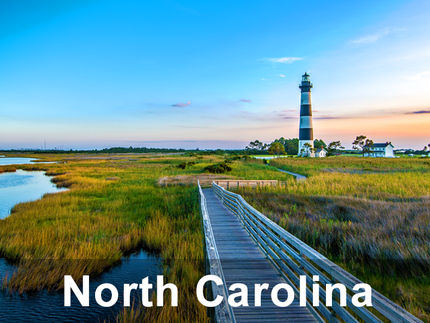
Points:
point(370, 216)
point(113, 205)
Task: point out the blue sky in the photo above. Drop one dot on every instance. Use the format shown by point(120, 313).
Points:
point(94, 74)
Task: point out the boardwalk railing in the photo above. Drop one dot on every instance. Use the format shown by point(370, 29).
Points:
point(222, 313)
point(294, 258)
point(236, 184)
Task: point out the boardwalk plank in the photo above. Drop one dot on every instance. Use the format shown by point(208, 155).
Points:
point(242, 261)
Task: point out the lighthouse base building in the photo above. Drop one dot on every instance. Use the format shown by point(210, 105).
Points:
point(306, 150)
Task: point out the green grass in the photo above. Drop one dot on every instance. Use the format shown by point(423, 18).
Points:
point(312, 166)
point(255, 169)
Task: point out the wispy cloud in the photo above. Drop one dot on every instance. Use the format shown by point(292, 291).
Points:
point(416, 77)
point(181, 105)
point(244, 100)
point(375, 36)
point(327, 117)
point(287, 60)
point(281, 75)
point(419, 112)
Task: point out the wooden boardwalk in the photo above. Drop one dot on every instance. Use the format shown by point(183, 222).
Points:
point(243, 262)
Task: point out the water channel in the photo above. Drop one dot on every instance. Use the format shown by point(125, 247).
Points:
point(49, 307)
point(22, 186)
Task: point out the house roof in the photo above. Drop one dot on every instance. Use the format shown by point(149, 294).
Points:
point(383, 145)
point(320, 149)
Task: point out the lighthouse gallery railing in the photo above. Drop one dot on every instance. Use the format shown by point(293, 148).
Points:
point(293, 258)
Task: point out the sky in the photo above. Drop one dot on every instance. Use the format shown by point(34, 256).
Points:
point(211, 74)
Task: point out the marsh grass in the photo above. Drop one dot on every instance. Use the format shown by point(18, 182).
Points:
point(113, 206)
point(312, 166)
point(383, 241)
point(7, 169)
point(392, 186)
point(86, 230)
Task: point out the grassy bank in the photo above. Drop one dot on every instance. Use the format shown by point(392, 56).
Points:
point(7, 169)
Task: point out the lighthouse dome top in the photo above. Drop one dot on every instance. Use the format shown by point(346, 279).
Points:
point(306, 84)
point(306, 77)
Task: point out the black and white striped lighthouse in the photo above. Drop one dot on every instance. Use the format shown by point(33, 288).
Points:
point(306, 134)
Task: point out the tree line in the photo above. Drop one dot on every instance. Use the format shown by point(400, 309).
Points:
point(283, 146)
point(290, 146)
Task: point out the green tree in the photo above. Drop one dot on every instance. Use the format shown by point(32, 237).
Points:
point(307, 150)
point(276, 148)
point(281, 140)
point(363, 144)
point(256, 147)
point(333, 148)
point(318, 143)
point(291, 145)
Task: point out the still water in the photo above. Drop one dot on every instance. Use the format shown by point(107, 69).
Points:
point(49, 307)
point(23, 186)
point(16, 161)
point(268, 157)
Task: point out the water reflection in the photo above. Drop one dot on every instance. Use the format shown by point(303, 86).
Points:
point(16, 161)
point(23, 186)
point(49, 307)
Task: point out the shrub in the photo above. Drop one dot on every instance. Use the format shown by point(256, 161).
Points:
point(182, 165)
point(218, 168)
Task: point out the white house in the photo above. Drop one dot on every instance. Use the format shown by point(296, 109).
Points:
point(321, 152)
point(381, 150)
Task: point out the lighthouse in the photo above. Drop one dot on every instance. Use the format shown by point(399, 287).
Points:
point(306, 134)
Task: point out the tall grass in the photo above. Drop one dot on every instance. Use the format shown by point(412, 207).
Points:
point(376, 226)
point(311, 166)
point(374, 186)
